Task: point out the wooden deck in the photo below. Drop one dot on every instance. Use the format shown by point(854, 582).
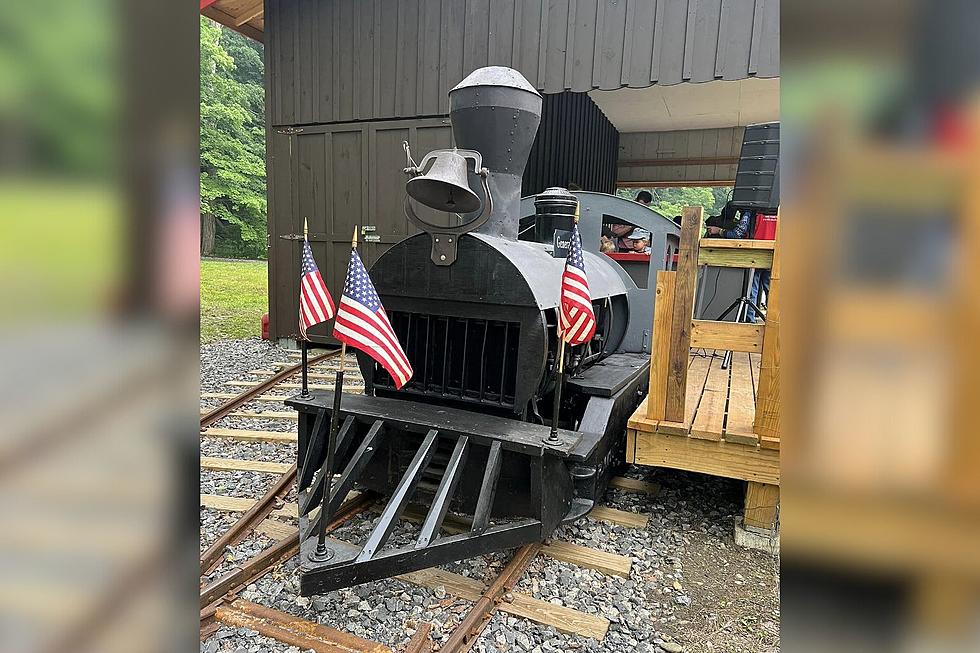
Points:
point(716, 436)
point(698, 416)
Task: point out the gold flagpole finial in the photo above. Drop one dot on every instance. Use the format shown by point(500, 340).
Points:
point(306, 228)
point(576, 210)
point(353, 241)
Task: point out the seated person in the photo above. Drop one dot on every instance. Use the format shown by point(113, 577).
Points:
point(606, 245)
point(637, 241)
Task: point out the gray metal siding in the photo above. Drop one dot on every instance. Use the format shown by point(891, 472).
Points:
point(696, 155)
point(351, 60)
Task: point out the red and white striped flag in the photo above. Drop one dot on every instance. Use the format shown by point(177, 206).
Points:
point(315, 303)
point(363, 324)
point(577, 320)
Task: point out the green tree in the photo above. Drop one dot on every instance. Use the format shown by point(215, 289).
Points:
point(233, 203)
point(669, 201)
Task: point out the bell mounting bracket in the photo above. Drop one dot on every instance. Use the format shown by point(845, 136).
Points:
point(445, 238)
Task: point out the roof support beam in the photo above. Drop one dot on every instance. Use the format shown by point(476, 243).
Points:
point(253, 11)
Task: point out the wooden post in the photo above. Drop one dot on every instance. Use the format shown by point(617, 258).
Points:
point(684, 287)
point(761, 505)
point(661, 339)
point(767, 409)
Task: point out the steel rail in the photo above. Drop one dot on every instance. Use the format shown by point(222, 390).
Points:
point(224, 409)
point(252, 518)
point(278, 552)
point(479, 615)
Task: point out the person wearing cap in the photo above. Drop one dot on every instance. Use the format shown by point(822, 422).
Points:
point(637, 241)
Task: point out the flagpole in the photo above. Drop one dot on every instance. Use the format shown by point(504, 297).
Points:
point(559, 382)
point(560, 377)
point(305, 394)
point(322, 553)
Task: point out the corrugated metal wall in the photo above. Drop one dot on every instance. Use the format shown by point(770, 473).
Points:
point(344, 71)
point(349, 60)
point(576, 143)
point(695, 155)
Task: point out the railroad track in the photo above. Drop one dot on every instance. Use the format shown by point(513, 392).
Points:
point(219, 596)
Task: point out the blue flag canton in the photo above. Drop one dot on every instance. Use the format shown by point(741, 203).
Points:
point(309, 265)
point(575, 251)
point(358, 284)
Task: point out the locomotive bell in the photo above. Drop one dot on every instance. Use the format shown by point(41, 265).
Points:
point(445, 187)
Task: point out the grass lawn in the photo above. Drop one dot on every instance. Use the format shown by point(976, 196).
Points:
point(234, 296)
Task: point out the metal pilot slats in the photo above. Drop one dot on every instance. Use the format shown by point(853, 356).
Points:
point(583, 556)
point(566, 620)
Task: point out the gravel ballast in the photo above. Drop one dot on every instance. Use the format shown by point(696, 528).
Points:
point(690, 589)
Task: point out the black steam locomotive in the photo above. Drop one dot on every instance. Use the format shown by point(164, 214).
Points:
point(476, 312)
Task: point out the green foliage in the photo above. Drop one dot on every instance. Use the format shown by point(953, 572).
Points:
point(670, 201)
point(233, 140)
point(59, 87)
point(234, 295)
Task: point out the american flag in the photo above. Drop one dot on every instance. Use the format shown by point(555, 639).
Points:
point(363, 324)
point(315, 302)
point(577, 319)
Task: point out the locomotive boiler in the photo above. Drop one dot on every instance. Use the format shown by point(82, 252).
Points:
point(476, 312)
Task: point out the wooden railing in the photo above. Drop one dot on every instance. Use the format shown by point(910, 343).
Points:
point(675, 331)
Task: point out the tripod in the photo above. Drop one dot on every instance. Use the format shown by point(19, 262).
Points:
point(741, 307)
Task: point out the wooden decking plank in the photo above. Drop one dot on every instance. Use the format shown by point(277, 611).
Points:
point(236, 465)
point(709, 421)
point(697, 374)
point(741, 402)
point(244, 435)
point(707, 457)
point(634, 485)
point(584, 556)
point(621, 517)
point(566, 620)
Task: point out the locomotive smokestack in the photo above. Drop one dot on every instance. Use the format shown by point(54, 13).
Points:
point(496, 112)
